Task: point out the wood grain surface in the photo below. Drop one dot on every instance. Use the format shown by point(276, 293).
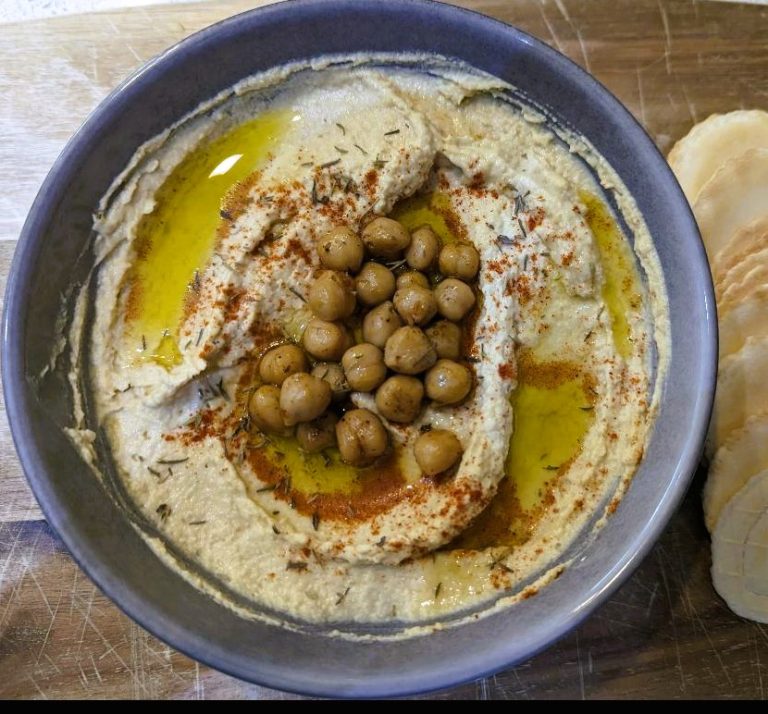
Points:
point(664, 634)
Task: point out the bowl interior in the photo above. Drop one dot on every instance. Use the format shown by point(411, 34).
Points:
point(53, 256)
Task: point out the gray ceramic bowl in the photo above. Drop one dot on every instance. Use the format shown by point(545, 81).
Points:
point(53, 254)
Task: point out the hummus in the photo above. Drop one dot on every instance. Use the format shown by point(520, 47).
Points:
point(206, 245)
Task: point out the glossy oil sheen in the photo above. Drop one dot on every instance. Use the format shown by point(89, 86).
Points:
point(551, 419)
point(621, 280)
point(432, 209)
point(177, 238)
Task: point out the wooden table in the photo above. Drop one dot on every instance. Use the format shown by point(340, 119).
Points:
point(664, 634)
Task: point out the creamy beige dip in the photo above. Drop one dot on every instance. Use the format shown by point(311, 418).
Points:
point(568, 345)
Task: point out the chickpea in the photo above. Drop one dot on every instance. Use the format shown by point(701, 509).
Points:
point(454, 299)
point(415, 305)
point(436, 451)
point(332, 373)
point(380, 323)
point(326, 340)
point(409, 351)
point(318, 434)
point(446, 337)
point(341, 249)
point(412, 277)
point(448, 382)
point(281, 362)
point(459, 260)
point(374, 284)
point(264, 410)
point(303, 398)
point(332, 295)
point(362, 437)
point(399, 398)
point(364, 367)
point(385, 238)
point(423, 250)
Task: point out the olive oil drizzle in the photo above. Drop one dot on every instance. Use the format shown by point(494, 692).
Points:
point(620, 290)
point(432, 209)
point(553, 408)
point(175, 241)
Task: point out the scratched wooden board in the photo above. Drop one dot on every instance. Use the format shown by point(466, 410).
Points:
point(664, 634)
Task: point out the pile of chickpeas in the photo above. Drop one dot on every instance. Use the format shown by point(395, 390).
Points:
point(410, 348)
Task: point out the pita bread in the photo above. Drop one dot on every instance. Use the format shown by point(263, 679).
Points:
point(735, 196)
point(742, 391)
point(750, 318)
point(739, 546)
point(750, 239)
point(699, 154)
point(743, 454)
point(753, 281)
point(739, 274)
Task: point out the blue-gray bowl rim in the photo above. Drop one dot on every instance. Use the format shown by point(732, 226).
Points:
point(346, 680)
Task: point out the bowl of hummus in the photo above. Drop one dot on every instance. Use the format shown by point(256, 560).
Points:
point(359, 349)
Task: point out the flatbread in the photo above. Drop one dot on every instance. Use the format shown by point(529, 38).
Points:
point(735, 196)
point(733, 280)
point(744, 454)
point(742, 391)
point(749, 318)
point(753, 281)
point(720, 137)
point(750, 239)
point(739, 547)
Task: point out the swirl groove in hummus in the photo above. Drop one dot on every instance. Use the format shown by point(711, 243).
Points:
point(565, 332)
